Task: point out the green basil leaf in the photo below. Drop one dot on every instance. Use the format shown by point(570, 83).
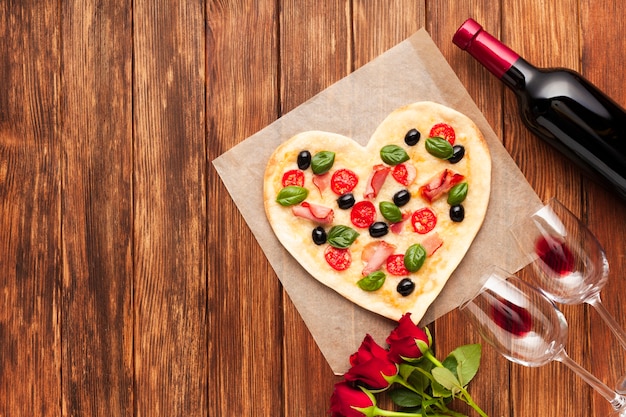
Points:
point(457, 194)
point(341, 237)
point(322, 162)
point(414, 257)
point(390, 211)
point(393, 155)
point(439, 147)
point(292, 195)
point(373, 281)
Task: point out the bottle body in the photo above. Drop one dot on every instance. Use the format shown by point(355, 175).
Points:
point(561, 107)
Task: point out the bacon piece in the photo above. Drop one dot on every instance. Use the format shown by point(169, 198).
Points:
point(314, 212)
point(398, 226)
point(376, 180)
point(440, 184)
point(432, 243)
point(377, 257)
point(322, 182)
point(368, 251)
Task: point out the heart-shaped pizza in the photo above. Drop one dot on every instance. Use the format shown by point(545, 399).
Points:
point(384, 225)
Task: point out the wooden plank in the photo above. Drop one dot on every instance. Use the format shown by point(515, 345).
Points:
point(451, 330)
point(379, 25)
point(30, 229)
point(603, 50)
point(315, 48)
point(170, 248)
point(245, 318)
point(550, 174)
point(96, 309)
point(315, 51)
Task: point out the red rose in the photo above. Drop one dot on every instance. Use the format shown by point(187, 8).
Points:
point(403, 340)
point(370, 365)
point(348, 401)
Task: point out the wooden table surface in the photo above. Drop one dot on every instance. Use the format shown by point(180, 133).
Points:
point(130, 284)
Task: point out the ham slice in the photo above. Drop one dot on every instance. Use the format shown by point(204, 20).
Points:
point(376, 255)
point(322, 181)
point(376, 180)
point(398, 226)
point(315, 212)
point(432, 243)
point(440, 184)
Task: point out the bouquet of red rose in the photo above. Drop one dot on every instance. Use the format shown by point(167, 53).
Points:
point(409, 373)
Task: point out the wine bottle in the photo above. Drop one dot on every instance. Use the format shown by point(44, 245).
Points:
point(559, 106)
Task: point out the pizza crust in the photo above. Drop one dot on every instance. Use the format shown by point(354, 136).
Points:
point(295, 233)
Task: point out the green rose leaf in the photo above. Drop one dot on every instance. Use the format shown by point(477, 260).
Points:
point(405, 370)
point(457, 194)
point(406, 398)
point(322, 162)
point(393, 155)
point(390, 211)
point(447, 379)
point(373, 281)
point(419, 380)
point(414, 257)
point(439, 148)
point(468, 361)
point(292, 195)
point(341, 236)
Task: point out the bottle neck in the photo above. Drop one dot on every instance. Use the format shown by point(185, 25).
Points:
point(518, 75)
point(490, 52)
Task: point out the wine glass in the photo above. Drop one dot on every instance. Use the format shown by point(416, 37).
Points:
point(527, 328)
point(568, 262)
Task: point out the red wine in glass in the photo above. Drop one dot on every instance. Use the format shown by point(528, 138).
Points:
point(506, 306)
point(510, 317)
point(555, 255)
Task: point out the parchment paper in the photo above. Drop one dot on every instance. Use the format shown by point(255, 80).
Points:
point(414, 70)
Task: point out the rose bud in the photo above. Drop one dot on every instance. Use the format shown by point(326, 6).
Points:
point(407, 342)
point(348, 401)
point(371, 366)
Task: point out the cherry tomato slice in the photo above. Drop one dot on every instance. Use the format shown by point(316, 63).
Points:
point(400, 174)
point(404, 173)
point(395, 265)
point(293, 177)
point(443, 130)
point(363, 214)
point(338, 259)
point(423, 220)
point(343, 181)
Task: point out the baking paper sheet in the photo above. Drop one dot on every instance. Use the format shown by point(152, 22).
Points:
point(414, 70)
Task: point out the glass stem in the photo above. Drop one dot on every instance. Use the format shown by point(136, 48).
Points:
point(617, 401)
point(615, 327)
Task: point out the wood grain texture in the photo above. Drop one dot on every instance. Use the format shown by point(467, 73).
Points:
point(245, 318)
point(130, 285)
point(169, 234)
point(379, 25)
point(30, 203)
point(96, 309)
